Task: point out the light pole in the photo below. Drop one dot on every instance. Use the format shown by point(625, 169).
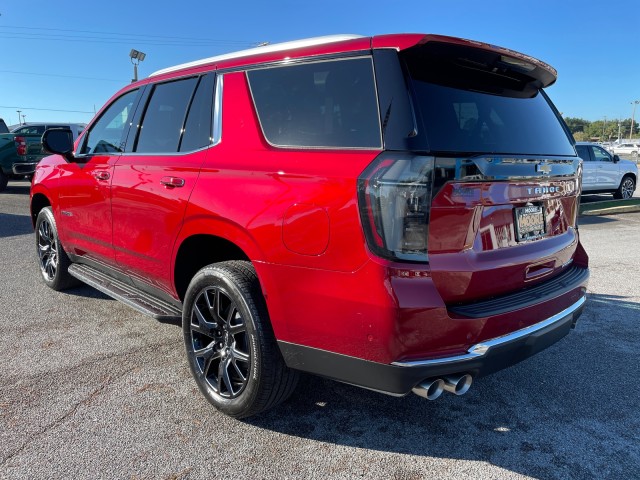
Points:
point(136, 58)
point(19, 117)
point(633, 115)
point(619, 130)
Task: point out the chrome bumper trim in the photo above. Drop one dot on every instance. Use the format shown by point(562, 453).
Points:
point(28, 169)
point(481, 349)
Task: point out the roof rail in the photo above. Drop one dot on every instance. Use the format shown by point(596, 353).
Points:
point(276, 47)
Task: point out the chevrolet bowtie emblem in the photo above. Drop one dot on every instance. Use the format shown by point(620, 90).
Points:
point(543, 168)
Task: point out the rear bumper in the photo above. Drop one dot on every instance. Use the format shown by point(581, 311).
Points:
point(398, 378)
point(24, 168)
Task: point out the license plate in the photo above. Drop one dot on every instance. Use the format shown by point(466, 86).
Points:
point(530, 222)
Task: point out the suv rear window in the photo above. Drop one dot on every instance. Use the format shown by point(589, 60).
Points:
point(321, 104)
point(471, 120)
point(30, 130)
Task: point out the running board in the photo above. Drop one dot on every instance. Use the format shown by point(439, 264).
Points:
point(127, 294)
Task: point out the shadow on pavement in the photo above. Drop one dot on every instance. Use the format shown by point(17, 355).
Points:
point(14, 225)
point(595, 198)
point(596, 219)
point(569, 412)
point(83, 290)
point(17, 188)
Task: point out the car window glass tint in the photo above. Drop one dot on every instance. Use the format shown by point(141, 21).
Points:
point(600, 155)
point(162, 122)
point(459, 120)
point(106, 135)
point(583, 153)
point(31, 130)
point(321, 104)
point(197, 130)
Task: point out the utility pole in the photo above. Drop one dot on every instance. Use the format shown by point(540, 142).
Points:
point(604, 125)
point(634, 103)
point(619, 130)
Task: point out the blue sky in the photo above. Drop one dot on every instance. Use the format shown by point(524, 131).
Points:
point(62, 60)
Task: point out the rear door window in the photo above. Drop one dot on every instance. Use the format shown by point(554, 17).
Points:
point(197, 129)
point(164, 117)
point(583, 152)
point(328, 104)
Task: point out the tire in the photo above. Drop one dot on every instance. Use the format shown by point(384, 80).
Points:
point(231, 348)
point(52, 259)
point(626, 188)
point(3, 181)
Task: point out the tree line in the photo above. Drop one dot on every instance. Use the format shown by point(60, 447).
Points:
point(601, 130)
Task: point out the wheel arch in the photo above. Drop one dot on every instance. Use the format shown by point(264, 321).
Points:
point(206, 240)
point(197, 251)
point(222, 240)
point(38, 202)
point(633, 176)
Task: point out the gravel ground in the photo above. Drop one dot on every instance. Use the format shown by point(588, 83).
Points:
point(92, 389)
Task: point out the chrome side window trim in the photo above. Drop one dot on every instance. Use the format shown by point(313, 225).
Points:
point(217, 111)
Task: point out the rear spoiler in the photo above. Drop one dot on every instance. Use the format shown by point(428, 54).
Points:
point(487, 65)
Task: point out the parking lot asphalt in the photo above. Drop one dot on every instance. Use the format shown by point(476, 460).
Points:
point(92, 389)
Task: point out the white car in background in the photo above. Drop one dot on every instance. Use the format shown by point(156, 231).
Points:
point(627, 148)
point(604, 172)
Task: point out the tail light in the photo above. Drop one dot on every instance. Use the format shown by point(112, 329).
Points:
point(394, 196)
point(21, 145)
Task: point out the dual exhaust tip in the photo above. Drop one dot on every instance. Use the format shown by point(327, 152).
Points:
point(432, 388)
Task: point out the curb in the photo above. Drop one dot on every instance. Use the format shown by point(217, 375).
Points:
point(610, 207)
point(612, 210)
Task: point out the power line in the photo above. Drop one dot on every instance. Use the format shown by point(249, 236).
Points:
point(61, 76)
point(163, 37)
point(27, 33)
point(46, 109)
point(110, 41)
point(107, 40)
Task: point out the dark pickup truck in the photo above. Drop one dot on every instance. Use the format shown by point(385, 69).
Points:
point(21, 149)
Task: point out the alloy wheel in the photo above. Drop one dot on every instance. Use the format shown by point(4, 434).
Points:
point(220, 343)
point(627, 188)
point(47, 250)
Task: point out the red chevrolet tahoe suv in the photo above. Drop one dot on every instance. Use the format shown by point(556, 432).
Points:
point(396, 212)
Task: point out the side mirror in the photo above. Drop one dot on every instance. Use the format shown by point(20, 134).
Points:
point(60, 141)
point(616, 159)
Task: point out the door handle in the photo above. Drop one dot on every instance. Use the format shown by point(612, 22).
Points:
point(102, 175)
point(172, 182)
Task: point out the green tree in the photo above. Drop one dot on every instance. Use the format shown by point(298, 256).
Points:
point(576, 124)
point(585, 130)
